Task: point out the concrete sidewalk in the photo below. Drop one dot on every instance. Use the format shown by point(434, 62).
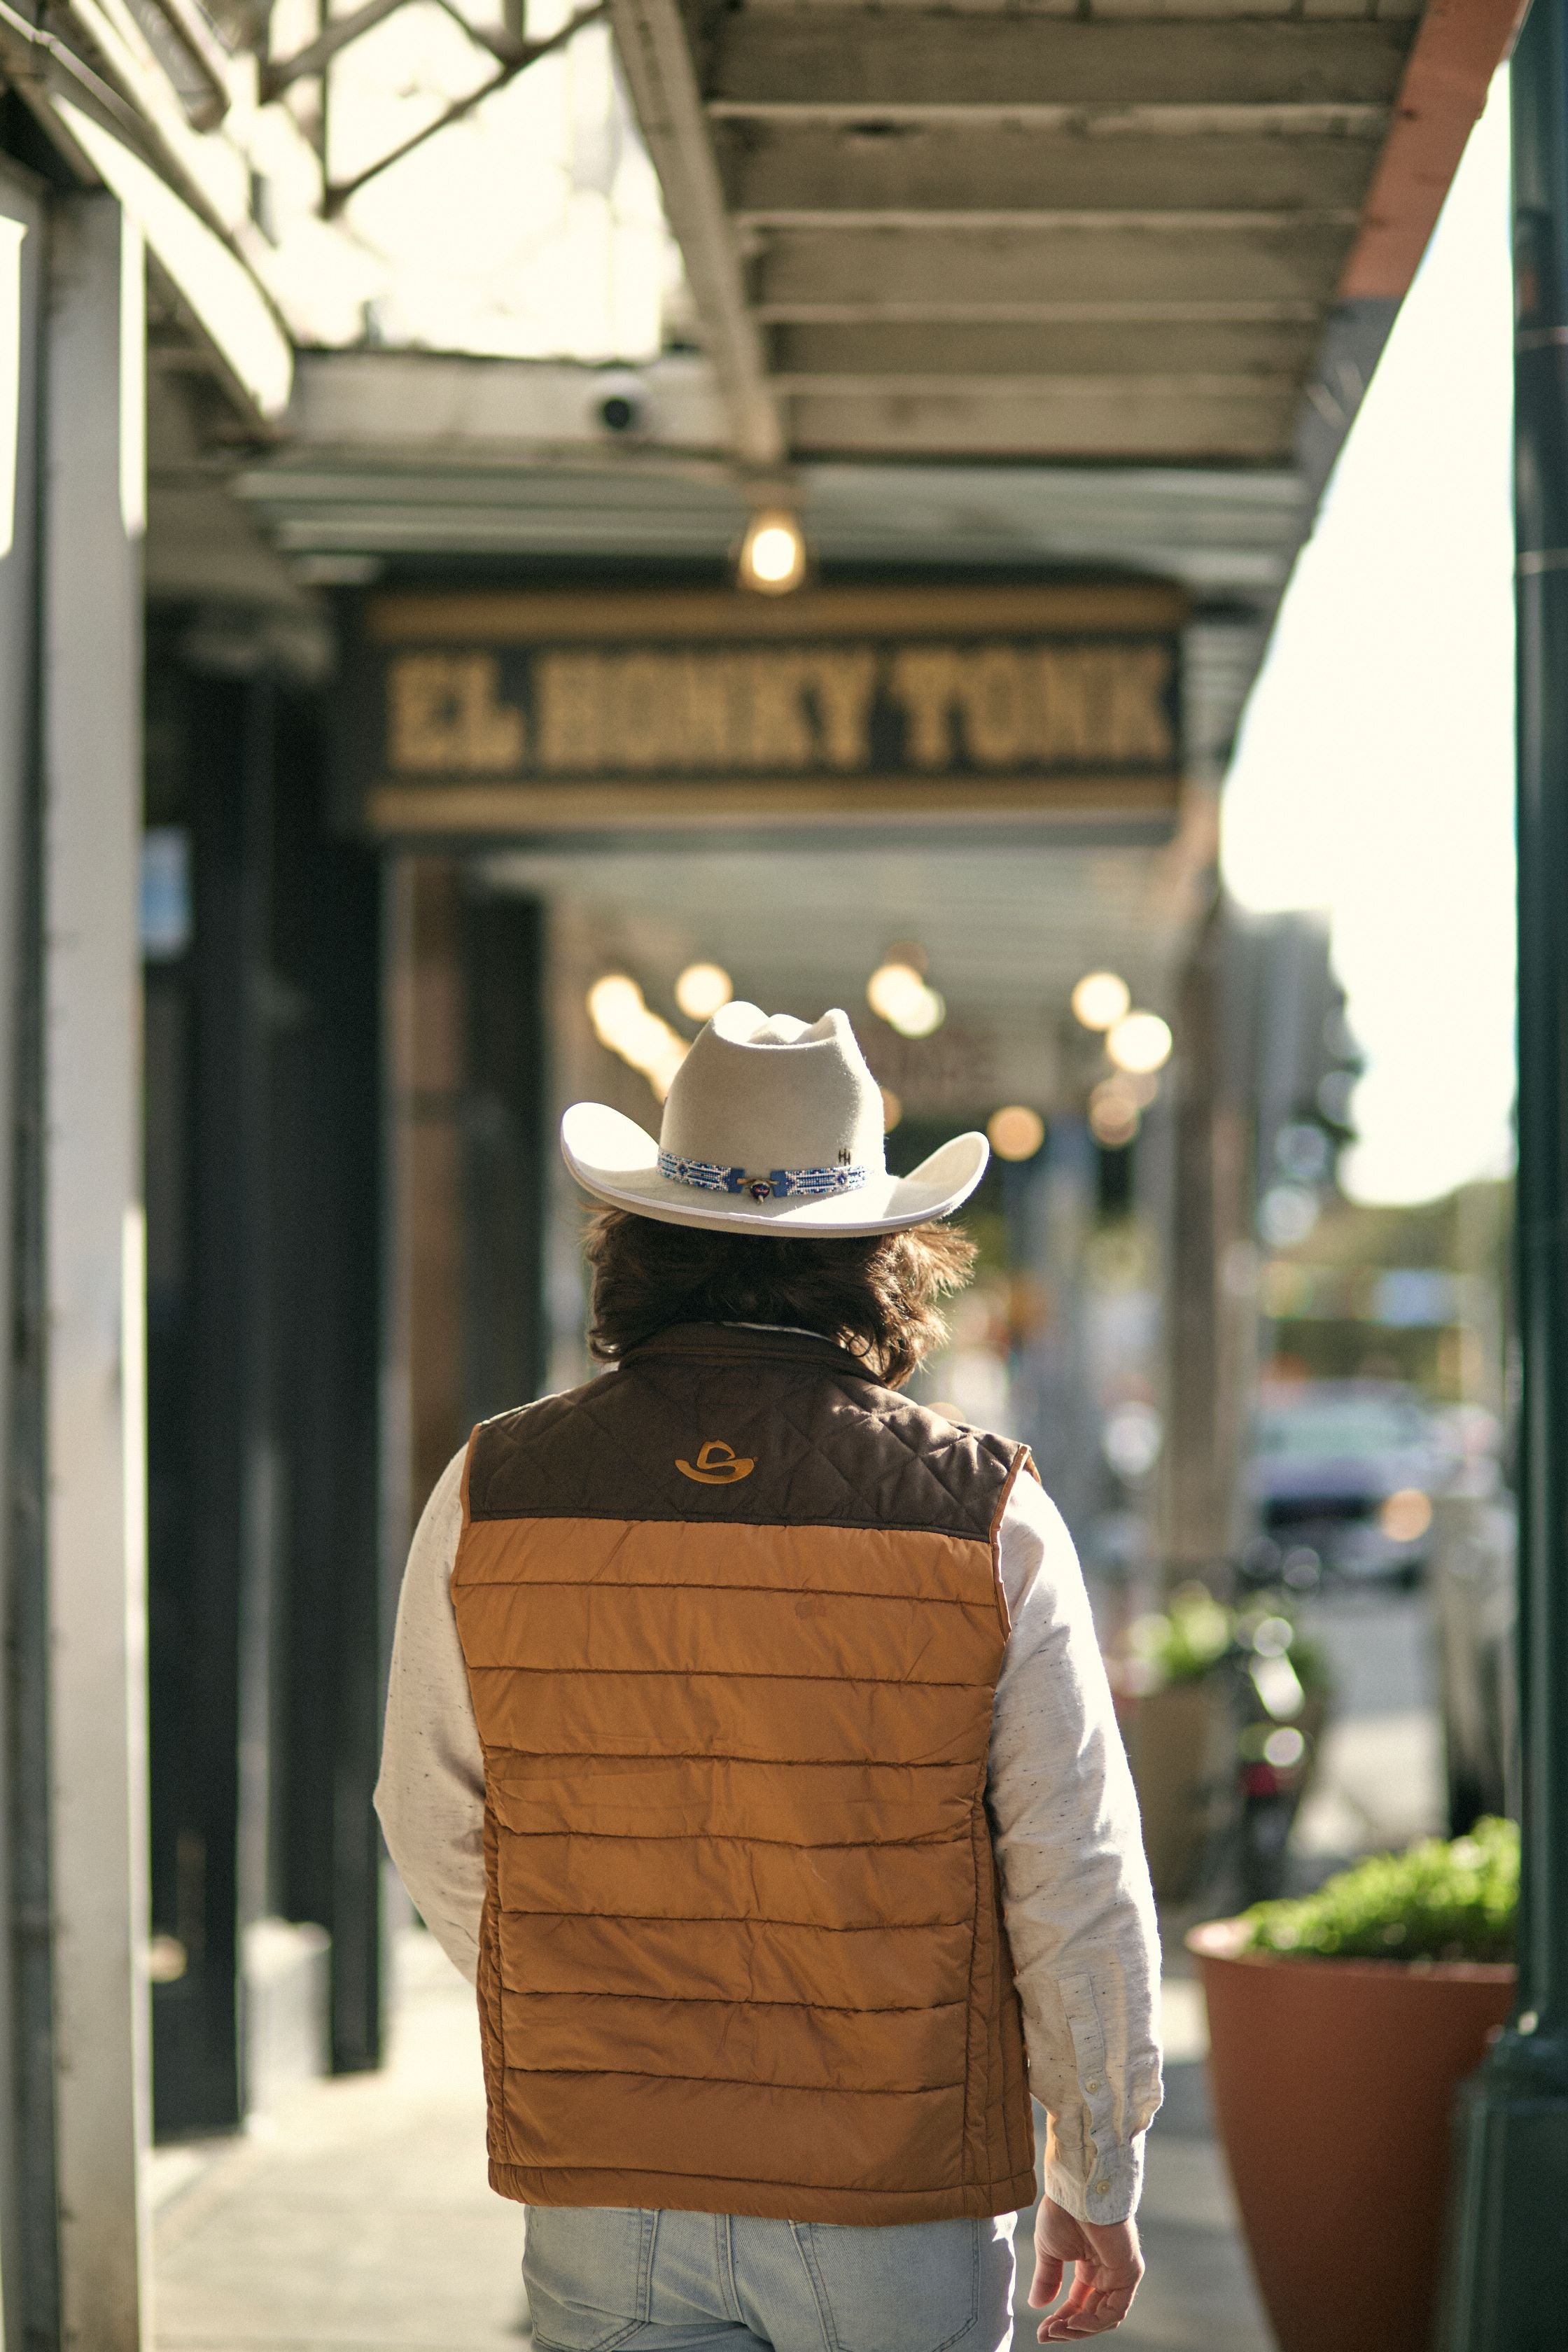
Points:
point(359, 2216)
point(1198, 2294)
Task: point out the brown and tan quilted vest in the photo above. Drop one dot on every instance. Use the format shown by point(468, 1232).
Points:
point(733, 1625)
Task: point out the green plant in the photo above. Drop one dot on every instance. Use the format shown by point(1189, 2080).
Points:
point(1436, 1901)
point(1181, 1642)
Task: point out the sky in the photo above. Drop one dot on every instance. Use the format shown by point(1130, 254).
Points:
point(1373, 774)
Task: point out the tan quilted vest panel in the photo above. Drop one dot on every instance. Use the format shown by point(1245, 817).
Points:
point(742, 1948)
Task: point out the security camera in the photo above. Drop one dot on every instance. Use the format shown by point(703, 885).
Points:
point(620, 402)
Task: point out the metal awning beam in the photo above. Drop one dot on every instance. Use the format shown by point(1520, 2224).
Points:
point(891, 311)
point(1042, 220)
point(950, 271)
point(516, 58)
point(206, 55)
point(650, 36)
point(770, 61)
point(897, 349)
point(831, 169)
point(279, 74)
point(1104, 418)
point(1282, 120)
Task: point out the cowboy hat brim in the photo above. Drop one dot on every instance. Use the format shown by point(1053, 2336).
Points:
point(615, 1160)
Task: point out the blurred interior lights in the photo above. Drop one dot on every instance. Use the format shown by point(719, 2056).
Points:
point(1140, 1043)
point(1100, 1000)
point(1406, 1515)
point(1284, 1749)
point(1016, 1132)
point(892, 1110)
point(898, 995)
point(772, 553)
point(1132, 1438)
point(702, 988)
point(1287, 1214)
point(1113, 1113)
point(623, 1021)
point(1273, 1637)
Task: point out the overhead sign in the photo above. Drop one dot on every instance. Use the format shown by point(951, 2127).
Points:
point(509, 713)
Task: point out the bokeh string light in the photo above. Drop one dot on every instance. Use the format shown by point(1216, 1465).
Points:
point(899, 995)
point(702, 988)
point(1100, 1000)
point(624, 1021)
point(1016, 1131)
point(1140, 1043)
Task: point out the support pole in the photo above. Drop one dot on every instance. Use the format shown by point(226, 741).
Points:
point(1205, 1400)
point(29, 2263)
point(94, 1511)
point(1509, 2287)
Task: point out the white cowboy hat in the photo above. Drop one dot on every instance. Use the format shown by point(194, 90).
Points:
point(770, 1127)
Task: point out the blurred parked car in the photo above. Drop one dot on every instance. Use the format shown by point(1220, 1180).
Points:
point(1343, 1478)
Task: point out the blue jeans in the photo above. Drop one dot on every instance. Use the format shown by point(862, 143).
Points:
point(600, 2276)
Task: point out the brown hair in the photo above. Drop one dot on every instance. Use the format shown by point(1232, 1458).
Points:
point(876, 1294)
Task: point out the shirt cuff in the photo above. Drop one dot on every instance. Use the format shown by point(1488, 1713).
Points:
point(1112, 2191)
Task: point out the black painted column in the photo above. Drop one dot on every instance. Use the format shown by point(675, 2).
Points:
point(1509, 2289)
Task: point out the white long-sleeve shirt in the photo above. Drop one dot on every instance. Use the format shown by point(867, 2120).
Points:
point(1075, 1886)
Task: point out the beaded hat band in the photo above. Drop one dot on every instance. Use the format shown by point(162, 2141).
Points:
point(778, 1184)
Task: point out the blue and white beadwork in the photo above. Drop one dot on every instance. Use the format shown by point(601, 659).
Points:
point(816, 1183)
point(779, 1183)
point(705, 1174)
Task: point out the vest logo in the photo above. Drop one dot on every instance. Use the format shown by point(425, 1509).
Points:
point(717, 1464)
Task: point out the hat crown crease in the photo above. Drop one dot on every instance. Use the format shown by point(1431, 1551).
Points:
point(747, 1096)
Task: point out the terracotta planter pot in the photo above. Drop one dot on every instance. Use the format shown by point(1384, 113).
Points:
point(1333, 2085)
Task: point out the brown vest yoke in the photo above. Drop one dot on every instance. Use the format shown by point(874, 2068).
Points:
point(733, 1625)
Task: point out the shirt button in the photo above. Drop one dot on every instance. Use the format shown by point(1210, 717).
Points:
point(1102, 2188)
point(1093, 2084)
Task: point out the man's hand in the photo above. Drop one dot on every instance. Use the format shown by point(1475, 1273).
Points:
point(1107, 2267)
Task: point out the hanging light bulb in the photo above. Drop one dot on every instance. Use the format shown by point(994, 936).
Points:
point(624, 1022)
point(897, 994)
point(1016, 1132)
point(1101, 998)
point(1140, 1043)
point(702, 988)
point(1113, 1113)
point(772, 553)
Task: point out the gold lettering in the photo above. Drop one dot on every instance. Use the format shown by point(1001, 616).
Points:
point(446, 711)
point(1104, 704)
point(772, 709)
point(993, 696)
point(1139, 722)
point(845, 685)
point(571, 699)
point(925, 681)
point(643, 729)
point(715, 710)
point(778, 736)
point(419, 710)
point(492, 730)
point(1067, 714)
